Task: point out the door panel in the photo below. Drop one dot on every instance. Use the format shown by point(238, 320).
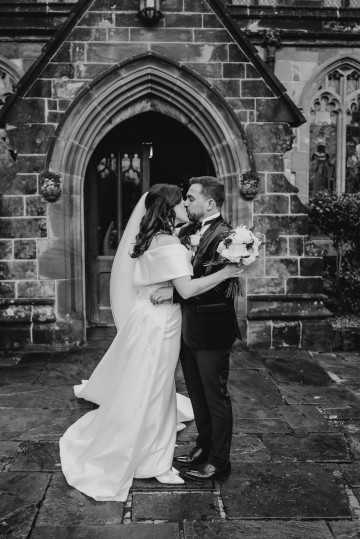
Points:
point(116, 181)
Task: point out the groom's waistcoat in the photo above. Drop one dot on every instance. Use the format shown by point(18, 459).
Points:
point(209, 319)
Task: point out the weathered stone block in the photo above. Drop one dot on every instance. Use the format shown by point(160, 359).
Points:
point(22, 184)
point(15, 314)
point(65, 89)
point(23, 228)
point(316, 335)
point(311, 266)
point(52, 104)
point(252, 72)
point(57, 71)
point(11, 206)
point(18, 269)
point(259, 334)
point(100, 19)
point(312, 249)
point(286, 334)
point(52, 259)
point(63, 54)
point(36, 289)
point(114, 52)
point(191, 52)
point(117, 5)
point(267, 285)
point(117, 35)
point(199, 6)
point(29, 110)
point(270, 138)
point(43, 314)
point(288, 225)
point(7, 290)
point(271, 204)
point(14, 337)
point(211, 21)
point(296, 246)
point(51, 333)
point(218, 35)
point(304, 285)
point(6, 249)
point(24, 249)
point(31, 139)
point(87, 71)
point(281, 266)
point(276, 246)
point(29, 164)
point(89, 34)
point(255, 88)
point(53, 117)
point(278, 183)
point(269, 162)
point(296, 206)
point(168, 35)
point(64, 103)
point(209, 71)
point(40, 88)
point(183, 20)
point(228, 87)
point(78, 52)
point(236, 54)
point(35, 205)
point(285, 307)
point(241, 103)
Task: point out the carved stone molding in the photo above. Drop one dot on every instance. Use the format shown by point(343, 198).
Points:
point(249, 184)
point(50, 186)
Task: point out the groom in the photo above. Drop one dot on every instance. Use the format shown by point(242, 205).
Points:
point(209, 329)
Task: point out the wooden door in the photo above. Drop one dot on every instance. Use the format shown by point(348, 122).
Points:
point(115, 182)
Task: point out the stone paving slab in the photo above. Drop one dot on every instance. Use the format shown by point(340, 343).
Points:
point(254, 411)
point(249, 387)
point(19, 523)
point(351, 474)
point(27, 373)
point(266, 353)
point(241, 358)
point(248, 448)
point(37, 457)
point(320, 447)
point(256, 530)
point(38, 424)
point(298, 369)
point(35, 396)
point(20, 494)
point(130, 531)
point(258, 491)
point(303, 418)
point(328, 396)
point(345, 530)
point(7, 452)
point(66, 506)
point(350, 413)
point(65, 374)
point(175, 506)
point(258, 426)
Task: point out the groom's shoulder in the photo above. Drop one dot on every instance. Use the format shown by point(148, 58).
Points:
point(186, 230)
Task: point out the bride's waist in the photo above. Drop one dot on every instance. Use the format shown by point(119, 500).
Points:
point(146, 291)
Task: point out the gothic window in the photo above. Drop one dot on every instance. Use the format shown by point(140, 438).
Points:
point(7, 84)
point(335, 132)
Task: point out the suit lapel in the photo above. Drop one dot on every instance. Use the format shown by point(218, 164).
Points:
point(208, 234)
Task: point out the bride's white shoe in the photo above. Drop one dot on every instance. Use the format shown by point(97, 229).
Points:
point(170, 478)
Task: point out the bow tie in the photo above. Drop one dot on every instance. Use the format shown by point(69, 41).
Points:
point(198, 226)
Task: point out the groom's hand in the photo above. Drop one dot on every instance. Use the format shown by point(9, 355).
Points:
point(162, 295)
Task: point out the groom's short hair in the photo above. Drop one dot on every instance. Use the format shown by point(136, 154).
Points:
point(211, 187)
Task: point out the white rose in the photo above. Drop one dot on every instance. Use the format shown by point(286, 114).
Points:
point(241, 234)
point(221, 247)
point(195, 240)
point(235, 252)
point(249, 260)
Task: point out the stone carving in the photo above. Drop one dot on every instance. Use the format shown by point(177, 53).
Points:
point(271, 42)
point(50, 186)
point(249, 184)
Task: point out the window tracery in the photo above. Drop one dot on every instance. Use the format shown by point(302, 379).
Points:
point(334, 119)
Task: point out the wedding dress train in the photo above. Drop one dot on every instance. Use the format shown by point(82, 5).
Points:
point(132, 434)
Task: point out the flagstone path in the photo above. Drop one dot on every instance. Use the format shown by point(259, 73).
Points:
point(295, 453)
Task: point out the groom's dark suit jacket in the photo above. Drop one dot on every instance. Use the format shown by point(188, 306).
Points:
point(208, 320)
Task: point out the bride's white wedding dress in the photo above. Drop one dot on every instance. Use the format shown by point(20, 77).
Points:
point(132, 434)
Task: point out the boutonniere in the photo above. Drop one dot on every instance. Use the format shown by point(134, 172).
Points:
point(194, 240)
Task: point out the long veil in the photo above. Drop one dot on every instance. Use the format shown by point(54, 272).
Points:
point(122, 291)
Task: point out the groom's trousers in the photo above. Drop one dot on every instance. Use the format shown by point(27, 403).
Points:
point(206, 374)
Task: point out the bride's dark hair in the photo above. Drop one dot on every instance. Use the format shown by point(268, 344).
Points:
point(159, 216)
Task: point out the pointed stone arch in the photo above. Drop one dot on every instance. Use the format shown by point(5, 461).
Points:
point(148, 82)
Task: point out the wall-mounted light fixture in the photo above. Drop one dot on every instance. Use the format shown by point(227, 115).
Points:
point(150, 11)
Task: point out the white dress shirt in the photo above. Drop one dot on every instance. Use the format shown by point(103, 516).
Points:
point(204, 226)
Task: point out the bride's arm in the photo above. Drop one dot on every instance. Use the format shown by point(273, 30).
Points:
point(188, 287)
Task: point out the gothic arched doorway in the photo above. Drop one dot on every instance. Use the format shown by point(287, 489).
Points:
point(149, 148)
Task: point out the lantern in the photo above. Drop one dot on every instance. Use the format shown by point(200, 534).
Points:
point(150, 11)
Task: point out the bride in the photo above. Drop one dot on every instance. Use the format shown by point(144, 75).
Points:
point(132, 434)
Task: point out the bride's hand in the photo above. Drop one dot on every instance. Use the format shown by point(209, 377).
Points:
point(232, 271)
point(162, 295)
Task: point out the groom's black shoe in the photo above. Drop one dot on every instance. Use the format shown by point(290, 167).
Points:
point(197, 456)
point(208, 471)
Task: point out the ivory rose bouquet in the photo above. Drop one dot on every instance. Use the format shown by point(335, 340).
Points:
point(240, 246)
